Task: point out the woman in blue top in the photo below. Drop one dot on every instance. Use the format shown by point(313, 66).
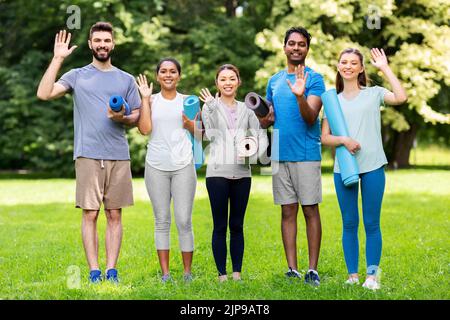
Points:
point(361, 108)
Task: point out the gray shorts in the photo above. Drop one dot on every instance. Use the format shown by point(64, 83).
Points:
point(297, 182)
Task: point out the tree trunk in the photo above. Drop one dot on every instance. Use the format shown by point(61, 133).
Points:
point(231, 6)
point(402, 147)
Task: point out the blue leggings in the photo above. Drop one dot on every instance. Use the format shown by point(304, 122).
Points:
point(372, 190)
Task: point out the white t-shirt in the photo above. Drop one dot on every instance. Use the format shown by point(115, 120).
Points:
point(362, 115)
point(169, 147)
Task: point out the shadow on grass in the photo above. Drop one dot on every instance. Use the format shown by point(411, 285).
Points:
point(30, 175)
point(425, 167)
point(201, 173)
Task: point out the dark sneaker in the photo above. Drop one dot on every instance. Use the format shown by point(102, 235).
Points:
point(312, 278)
point(166, 278)
point(111, 276)
point(187, 277)
point(95, 276)
point(292, 273)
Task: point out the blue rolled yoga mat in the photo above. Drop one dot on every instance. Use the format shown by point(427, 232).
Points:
point(191, 107)
point(116, 102)
point(347, 162)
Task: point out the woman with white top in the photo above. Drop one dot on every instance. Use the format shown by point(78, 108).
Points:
point(169, 168)
point(360, 105)
point(228, 177)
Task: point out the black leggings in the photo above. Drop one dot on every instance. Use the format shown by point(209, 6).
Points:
point(237, 191)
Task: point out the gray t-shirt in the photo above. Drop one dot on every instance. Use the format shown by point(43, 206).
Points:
point(96, 136)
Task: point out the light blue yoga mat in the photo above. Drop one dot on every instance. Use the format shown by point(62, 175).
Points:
point(347, 162)
point(191, 108)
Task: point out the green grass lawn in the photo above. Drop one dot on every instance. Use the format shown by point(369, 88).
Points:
point(41, 247)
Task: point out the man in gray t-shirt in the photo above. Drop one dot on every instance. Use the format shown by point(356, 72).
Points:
point(101, 152)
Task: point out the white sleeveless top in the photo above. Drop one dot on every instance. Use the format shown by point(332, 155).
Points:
point(169, 147)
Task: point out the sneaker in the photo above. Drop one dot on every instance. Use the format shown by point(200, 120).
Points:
point(111, 275)
point(237, 276)
point(95, 276)
point(187, 277)
point(312, 278)
point(166, 278)
point(371, 284)
point(352, 280)
point(223, 277)
point(292, 273)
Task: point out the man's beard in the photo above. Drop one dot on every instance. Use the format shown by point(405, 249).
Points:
point(101, 58)
point(297, 62)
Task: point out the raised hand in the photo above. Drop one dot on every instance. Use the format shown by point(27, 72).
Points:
point(62, 41)
point(144, 89)
point(206, 96)
point(299, 86)
point(379, 58)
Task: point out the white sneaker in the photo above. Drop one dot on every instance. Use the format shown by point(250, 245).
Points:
point(371, 284)
point(352, 280)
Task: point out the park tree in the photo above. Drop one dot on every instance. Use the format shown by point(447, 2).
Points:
point(38, 135)
point(414, 34)
point(202, 35)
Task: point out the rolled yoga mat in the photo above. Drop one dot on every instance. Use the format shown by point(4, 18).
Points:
point(347, 162)
point(257, 103)
point(116, 102)
point(191, 107)
point(247, 147)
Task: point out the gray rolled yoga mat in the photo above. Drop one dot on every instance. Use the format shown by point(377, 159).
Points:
point(257, 103)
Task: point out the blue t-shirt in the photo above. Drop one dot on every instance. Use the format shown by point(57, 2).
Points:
point(293, 139)
point(95, 135)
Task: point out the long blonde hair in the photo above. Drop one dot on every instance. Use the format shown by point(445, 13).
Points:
point(362, 78)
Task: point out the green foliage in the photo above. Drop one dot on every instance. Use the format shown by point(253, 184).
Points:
point(203, 35)
point(39, 135)
point(414, 35)
point(35, 135)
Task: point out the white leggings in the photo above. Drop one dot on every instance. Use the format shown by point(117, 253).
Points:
point(180, 185)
